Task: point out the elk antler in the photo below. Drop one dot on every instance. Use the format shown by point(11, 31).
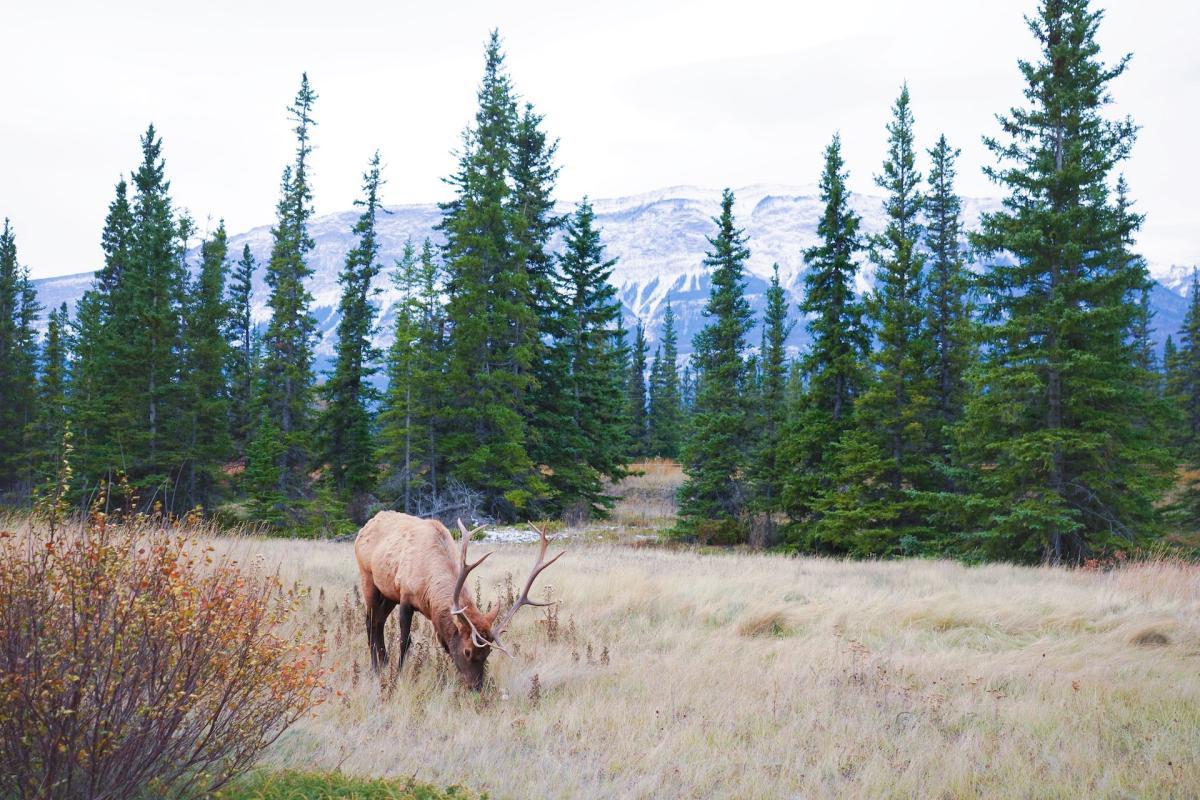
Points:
point(464, 569)
point(524, 600)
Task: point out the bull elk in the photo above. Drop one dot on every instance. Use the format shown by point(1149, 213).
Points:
point(412, 564)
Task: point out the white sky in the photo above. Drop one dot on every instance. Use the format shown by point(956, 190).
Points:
point(643, 95)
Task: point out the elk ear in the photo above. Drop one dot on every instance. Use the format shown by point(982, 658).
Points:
point(491, 616)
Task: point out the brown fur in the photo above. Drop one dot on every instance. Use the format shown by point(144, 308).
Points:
point(411, 564)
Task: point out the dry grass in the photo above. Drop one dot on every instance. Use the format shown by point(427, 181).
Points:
point(646, 501)
point(762, 676)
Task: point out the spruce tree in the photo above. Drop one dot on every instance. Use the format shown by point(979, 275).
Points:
point(832, 370)
point(493, 323)
point(767, 470)
point(206, 441)
point(1143, 336)
point(880, 500)
point(591, 418)
point(949, 310)
point(287, 372)
point(665, 420)
point(1169, 367)
point(87, 400)
point(636, 395)
point(126, 403)
point(96, 410)
point(1182, 396)
point(687, 396)
point(243, 352)
point(345, 426)
point(51, 420)
point(1184, 380)
point(551, 445)
point(264, 475)
point(712, 499)
point(1141, 331)
point(18, 366)
point(532, 199)
point(146, 335)
point(1061, 430)
point(409, 414)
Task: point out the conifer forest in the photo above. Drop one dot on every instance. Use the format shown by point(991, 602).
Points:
point(997, 394)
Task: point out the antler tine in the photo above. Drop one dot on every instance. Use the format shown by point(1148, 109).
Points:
point(524, 600)
point(477, 638)
point(464, 569)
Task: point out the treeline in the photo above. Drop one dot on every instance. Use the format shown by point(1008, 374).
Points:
point(1015, 413)
point(505, 382)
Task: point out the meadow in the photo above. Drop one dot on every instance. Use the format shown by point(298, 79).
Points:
point(679, 673)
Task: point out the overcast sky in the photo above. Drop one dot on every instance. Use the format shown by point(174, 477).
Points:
point(642, 94)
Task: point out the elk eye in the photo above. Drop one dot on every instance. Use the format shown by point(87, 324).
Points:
point(466, 652)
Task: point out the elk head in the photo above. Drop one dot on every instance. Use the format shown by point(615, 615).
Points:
point(479, 636)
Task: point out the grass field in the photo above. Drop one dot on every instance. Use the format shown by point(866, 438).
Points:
point(674, 674)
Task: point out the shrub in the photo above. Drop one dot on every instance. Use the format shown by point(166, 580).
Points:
point(135, 662)
point(719, 532)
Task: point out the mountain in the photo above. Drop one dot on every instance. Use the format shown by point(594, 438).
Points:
point(659, 239)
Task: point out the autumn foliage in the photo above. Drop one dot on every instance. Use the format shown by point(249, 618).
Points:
point(135, 662)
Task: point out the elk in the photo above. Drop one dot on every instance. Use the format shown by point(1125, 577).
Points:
point(412, 564)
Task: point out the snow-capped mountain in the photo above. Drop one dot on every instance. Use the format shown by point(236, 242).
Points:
point(659, 239)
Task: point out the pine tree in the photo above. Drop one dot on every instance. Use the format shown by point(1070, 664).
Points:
point(712, 498)
point(880, 501)
point(831, 372)
point(949, 310)
point(51, 421)
point(346, 423)
point(243, 352)
point(287, 373)
point(591, 419)
point(1061, 430)
point(206, 440)
point(18, 364)
point(665, 420)
point(493, 337)
point(639, 431)
point(766, 468)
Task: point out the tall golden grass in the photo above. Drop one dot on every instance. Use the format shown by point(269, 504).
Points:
point(646, 499)
point(675, 674)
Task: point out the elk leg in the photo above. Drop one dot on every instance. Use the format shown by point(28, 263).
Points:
point(406, 615)
point(379, 615)
point(378, 607)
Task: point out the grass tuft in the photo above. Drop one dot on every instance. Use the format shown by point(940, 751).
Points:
point(766, 625)
point(1150, 637)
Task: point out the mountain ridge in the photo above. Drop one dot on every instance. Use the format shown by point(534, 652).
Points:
point(659, 238)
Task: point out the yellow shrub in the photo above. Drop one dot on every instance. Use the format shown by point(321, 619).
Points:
point(132, 661)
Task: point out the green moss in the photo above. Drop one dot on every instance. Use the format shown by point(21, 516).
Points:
point(294, 785)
